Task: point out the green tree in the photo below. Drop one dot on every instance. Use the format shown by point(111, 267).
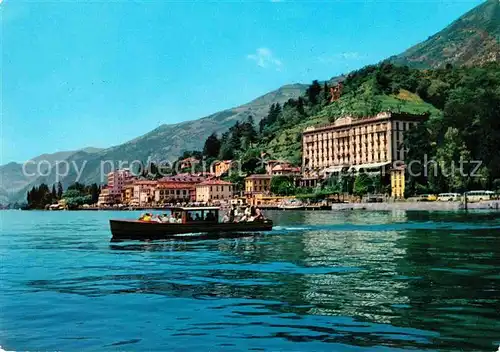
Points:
point(418, 157)
point(326, 94)
point(94, 193)
point(71, 193)
point(75, 197)
point(212, 146)
point(283, 185)
point(248, 133)
point(39, 197)
point(453, 158)
point(226, 150)
point(251, 161)
point(362, 184)
point(313, 92)
point(77, 186)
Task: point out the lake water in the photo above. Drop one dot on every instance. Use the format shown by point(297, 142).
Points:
point(320, 281)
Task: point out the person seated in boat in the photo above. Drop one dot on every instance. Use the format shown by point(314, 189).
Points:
point(248, 211)
point(210, 216)
point(189, 218)
point(141, 218)
point(232, 213)
point(156, 218)
point(226, 218)
point(146, 217)
point(164, 218)
point(258, 214)
point(197, 217)
point(238, 214)
point(172, 219)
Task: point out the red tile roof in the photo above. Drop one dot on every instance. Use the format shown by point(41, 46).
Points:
point(176, 185)
point(258, 176)
point(215, 183)
point(145, 182)
point(190, 160)
point(183, 178)
point(286, 167)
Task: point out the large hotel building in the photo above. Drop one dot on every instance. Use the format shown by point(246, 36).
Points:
point(369, 143)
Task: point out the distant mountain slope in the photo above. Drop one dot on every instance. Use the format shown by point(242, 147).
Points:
point(166, 142)
point(13, 178)
point(473, 39)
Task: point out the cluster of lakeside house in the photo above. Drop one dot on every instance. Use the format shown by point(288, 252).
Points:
point(372, 144)
point(124, 188)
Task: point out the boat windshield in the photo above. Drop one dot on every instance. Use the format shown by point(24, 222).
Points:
point(202, 216)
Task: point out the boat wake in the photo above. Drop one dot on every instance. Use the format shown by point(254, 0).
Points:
point(290, 228)
point(388, 227)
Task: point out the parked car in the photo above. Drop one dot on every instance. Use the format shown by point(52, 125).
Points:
point(449, 197)
point(479, 196)
point(424, 198)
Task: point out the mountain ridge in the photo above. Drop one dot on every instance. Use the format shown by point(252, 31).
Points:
point(15, 176)
point(470, 40)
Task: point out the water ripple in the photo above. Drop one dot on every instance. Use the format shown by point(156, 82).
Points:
point(321, 281)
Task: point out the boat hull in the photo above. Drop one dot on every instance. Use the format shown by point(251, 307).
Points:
point(139, 230)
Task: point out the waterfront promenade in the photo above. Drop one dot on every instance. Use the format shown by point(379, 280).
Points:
point(385, 206)
point(418, 206)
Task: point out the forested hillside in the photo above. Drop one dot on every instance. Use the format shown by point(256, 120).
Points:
point(464, 105)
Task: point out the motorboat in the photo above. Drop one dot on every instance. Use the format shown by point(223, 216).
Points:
point(189, 221)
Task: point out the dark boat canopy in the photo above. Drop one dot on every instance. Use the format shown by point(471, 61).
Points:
point(196, 214)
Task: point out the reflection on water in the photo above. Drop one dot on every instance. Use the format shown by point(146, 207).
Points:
point(329, 280)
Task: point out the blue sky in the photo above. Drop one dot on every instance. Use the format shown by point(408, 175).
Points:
point(99, 73)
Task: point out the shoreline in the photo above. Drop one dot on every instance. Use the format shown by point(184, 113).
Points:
point(419, 206)
point(493, 205)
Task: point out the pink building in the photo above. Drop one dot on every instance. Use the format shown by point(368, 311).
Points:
point(116, 182)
